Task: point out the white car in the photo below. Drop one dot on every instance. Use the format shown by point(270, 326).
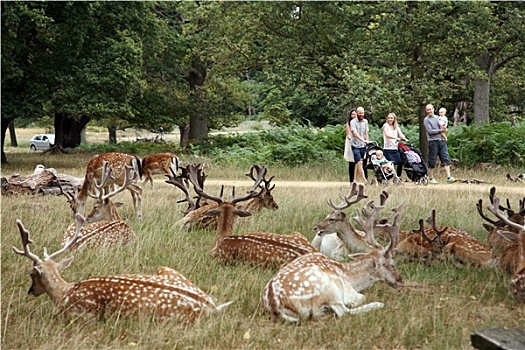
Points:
point(42, 141)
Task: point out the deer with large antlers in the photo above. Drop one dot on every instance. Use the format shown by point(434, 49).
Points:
point(257, 248)
point(314, 285)
point(159, 163)
point(166, 294)
point(106, 228)
point(517, 281)
point(194, 216)
point(506, 249)
point(118, 161)
point(336, 236)
point(435, 241)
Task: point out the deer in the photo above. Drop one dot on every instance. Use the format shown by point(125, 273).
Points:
point(505, 248)
point(336, 237)
point(194, 217)
point(117, 161)
point(158, 163)
point(501, 246)
point(265, 249)
point(314, 285)
point(166, 295)
point(517, 281)
point(435, 241)
point(105, 226)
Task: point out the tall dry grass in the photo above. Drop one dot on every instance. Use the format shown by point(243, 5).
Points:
point(438, 308)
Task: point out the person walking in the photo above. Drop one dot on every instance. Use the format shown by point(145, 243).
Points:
point(391, 135)
point(348, 154)
point(359, 128)
point(437, 146)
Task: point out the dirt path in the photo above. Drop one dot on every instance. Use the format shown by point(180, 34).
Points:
point(482, 188)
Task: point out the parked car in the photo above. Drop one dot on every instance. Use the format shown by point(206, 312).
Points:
point(42, 141)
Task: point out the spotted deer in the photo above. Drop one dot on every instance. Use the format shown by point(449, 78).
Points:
point(166, 294)
point(517, 281)
point(506, 249)
point(118, 161)
point(256, 248)
point(314, 285)
point(195, 218)
point(336, 237)
point(105, 226)
point(429, 242)
point(159, 163)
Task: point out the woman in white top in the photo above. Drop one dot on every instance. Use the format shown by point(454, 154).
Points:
point(391, 135)
point(348, 154)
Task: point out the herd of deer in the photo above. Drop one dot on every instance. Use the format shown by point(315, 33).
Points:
point(314, 278)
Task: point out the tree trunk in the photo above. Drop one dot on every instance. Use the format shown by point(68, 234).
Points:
point(68, 129)
point(481, 100)
point(198, 118)
point(423, 140)
point(184, 132)
point(4, 124)
point(12, 134)
point(112, 130)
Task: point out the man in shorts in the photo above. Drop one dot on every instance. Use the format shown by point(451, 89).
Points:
point(437, 146)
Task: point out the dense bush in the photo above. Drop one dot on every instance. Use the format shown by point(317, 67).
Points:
point(295, 144)
point(499, 143)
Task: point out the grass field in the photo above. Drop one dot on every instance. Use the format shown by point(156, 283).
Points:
point(438, 308)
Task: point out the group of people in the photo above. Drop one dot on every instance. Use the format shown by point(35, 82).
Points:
point(357, 139)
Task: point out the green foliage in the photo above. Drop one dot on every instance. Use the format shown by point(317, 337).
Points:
point(498, 143)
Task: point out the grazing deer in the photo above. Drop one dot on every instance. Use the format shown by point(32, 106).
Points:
point(257, 248)
point(159, 163)
point(440, 241)
point(117, 161)
point(194, 217)
point(336, 236)
point(314, 285)
point(106, 228)
point(517, 281)
point(166, 294)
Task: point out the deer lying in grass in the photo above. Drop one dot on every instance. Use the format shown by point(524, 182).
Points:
point(118, 161)
point(106, 228)
point(159, 163)
point(257, 248)
point(166, 294)
point(314, 285)
point(506, 249)
point(439, 241)
point(336, 236)
point(517, 281)
point(194, 217)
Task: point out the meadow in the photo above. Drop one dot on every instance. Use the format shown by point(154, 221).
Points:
point(439, 307)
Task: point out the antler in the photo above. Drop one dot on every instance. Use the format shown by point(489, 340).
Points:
point(370, 212)
point(494, 210)
point(266, 182)
point(261, 173)
point(26, 240)
point(69, 243)
point(181, 182)
point(356, 190)
point(193, 171)
point(436, 243)
point(130, 177)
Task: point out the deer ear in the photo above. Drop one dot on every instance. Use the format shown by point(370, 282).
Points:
point(242, 213)
point(64, 263)
point(509, 236)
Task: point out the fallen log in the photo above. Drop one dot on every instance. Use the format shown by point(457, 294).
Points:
point(43, 181)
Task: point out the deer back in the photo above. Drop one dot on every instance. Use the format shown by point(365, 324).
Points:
point(159, 163)
point(104, 234)
point(312, 286)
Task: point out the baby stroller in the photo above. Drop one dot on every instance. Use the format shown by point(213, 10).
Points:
point(413, 163)
point(383, 172)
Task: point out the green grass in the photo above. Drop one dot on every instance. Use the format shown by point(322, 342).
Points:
point(439, 307)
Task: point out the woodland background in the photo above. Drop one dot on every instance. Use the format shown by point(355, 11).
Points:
point(201, 66)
